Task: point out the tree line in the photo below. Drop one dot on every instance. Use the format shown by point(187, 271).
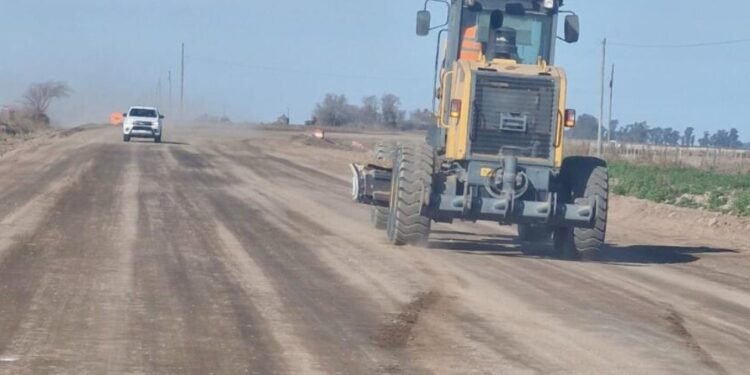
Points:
point(372, 111)
point(641, 132)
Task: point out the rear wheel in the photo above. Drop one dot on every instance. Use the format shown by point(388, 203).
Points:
point(534, 233)
point(586, 181)
point(411, 186)
point(384, 152)
point(534, 239)
point(379, 217)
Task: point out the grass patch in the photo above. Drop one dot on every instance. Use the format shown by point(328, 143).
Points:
point(683, 186)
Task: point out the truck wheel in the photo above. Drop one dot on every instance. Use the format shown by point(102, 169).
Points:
point(533, 239)
point(157, 139)
point(534, 233)
point(411, 186)
point(586, 180)
point(379, 217)
point(126, 138)
point(384, 151)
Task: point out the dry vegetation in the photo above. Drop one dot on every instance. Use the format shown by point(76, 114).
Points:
point(32, 115)
point(20, 122)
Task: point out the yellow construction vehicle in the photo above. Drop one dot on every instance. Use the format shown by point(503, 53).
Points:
point(496, 152)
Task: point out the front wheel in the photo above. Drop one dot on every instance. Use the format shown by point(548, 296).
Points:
point(586, 182)
point(126, 138)
point(411, 187)
point(157, 139)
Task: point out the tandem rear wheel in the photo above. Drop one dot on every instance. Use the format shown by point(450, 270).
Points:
point(585, 180)
point(411, 186)
point(379, 217)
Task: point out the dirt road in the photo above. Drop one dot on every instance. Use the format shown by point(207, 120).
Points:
point(240, 252)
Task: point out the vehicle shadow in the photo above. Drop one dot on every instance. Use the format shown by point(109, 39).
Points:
point(632, 255)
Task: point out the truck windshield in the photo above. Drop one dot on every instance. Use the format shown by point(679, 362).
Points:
point(533, 33)
point(142, 112)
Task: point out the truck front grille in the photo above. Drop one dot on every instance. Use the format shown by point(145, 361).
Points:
point(514, 115)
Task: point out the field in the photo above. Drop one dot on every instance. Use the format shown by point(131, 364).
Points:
point(722, 160)
point(683, 186)
point(708, 179)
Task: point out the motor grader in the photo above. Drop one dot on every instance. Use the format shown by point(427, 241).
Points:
point(496, 151)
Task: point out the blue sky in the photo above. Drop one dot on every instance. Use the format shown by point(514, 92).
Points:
point(253, 59)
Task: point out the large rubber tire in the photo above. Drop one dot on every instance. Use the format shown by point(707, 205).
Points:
point(534, 233)
point(586, 180)
point(411, 186)
point(379, 217)
point(385, 152)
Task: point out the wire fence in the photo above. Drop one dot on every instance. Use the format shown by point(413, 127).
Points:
point(730, 160)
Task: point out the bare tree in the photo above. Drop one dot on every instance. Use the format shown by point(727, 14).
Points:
point(369, 113)
point(391, 107)
point(334, 111)
point(419, 119)
point(39, 96)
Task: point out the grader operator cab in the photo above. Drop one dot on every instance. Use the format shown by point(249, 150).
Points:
point(496, 152)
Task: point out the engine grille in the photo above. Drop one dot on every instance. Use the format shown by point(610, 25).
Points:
point(514, 115)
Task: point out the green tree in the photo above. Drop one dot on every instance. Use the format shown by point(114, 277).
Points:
point(734, 138)
point(587, 127)
point(720, 139)
point(637, 132)
point(688, 138)
point(390, 106)
point(671, 137)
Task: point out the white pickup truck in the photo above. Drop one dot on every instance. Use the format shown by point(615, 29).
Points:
point(142, 122)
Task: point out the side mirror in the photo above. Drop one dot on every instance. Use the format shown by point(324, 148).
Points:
point(161, 117)
point(124, 114)
point(424, 19)
point(572, 28)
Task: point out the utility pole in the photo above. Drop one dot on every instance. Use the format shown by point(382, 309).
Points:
point(611, 100)
point(601, 106)
point(182, 84)
point(158, 93)
point(169, 83)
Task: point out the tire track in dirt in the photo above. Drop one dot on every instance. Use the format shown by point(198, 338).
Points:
point(40, 314)
point(190, 316)
point(677, 325)
point(397, 333)
point(652, 307)
point(31, 183)
point(396, 330)
point(261, 224)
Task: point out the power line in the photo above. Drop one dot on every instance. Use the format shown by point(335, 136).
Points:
point(182, 83)
point(688, 45)
point(290, 70)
